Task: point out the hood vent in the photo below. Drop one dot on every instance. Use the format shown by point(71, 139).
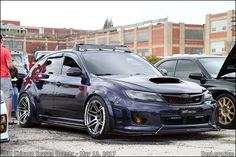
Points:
point(164, 80)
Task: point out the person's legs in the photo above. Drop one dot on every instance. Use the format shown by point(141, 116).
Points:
point(6, 87)
point(9, 107)
point(14, 98)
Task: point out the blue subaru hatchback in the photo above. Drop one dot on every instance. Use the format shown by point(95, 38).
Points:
point(107, 89)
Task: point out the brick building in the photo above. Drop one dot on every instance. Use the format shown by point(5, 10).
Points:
point(31, 39)
point(154, 37)
point(161, 39)
point(219, 32)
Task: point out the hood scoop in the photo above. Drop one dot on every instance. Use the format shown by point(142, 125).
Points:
point(162, 80)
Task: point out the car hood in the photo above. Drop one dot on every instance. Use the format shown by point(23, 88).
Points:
point(229, 65)
point(159, 84)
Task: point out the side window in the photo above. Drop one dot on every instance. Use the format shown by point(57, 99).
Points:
point(185, 67)
point(169, 66)
point(52, 66)
point(68, 63)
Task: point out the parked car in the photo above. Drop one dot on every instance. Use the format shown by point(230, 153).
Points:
point(107, 89)
point(216, 73)
point(4, 137)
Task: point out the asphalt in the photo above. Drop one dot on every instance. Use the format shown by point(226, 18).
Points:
point(58, 141)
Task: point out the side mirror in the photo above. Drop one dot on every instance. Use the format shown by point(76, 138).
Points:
point(196, 76)
point(164, 71)
point(74, 71)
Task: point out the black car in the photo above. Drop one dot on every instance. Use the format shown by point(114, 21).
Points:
point(215, 73)
point(107, 89)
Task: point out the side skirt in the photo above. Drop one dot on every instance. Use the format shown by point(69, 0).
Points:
point(65, 122)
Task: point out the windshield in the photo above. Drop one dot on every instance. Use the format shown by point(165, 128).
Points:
point(212, 65)
point(118, 64)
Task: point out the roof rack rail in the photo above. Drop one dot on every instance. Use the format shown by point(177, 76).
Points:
point(87, 47)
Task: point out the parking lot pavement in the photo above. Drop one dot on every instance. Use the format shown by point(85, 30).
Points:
point(57, 141)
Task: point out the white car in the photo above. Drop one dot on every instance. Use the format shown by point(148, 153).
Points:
point(4, 137)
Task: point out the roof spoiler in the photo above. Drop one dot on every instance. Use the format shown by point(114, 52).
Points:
point(87, 47)
point(61, 47)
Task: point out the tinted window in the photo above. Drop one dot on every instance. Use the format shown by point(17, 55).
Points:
point(68, 63)
point(169, 66)
point(185, 67)
point(52, 66)
point(212, 65)
point(118, 64)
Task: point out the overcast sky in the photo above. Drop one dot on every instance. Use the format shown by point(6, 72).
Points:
point(92, 14)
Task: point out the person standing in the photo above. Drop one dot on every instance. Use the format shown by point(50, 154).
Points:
point(15, 93)
point(6, 85)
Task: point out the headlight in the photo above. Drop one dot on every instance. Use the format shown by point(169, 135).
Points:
point(2, 97)
point(143, 96)
point(207, 97)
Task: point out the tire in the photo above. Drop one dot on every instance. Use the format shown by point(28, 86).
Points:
point(226, 110)
point(96, 118)
point(25, 112)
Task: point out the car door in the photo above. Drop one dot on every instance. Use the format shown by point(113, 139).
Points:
point(184, 67)
point(69, 92)
point(45, 82)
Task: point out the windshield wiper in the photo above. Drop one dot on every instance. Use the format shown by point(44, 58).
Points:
point(106, 74)
point(137, 74)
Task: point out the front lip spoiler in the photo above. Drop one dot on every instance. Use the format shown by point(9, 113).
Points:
point(164, 129)
point(169, 129)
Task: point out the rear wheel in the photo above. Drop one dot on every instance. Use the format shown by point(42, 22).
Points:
point(24, 112)
point(96, 118)
point(226, 105)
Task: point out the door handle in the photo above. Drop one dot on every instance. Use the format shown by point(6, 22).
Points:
point(58, 84)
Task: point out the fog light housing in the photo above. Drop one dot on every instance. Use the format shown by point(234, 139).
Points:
point(3, 123)
point(2, 128)
point(138, 120)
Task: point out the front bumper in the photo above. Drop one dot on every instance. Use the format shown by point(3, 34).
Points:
point(4, 137)
point(164, 119)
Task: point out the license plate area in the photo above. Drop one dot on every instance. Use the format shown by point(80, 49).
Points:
point(188, 111)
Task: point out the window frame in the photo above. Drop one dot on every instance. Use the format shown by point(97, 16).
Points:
point(193, 61)
point(74, 57)
point(176, 60)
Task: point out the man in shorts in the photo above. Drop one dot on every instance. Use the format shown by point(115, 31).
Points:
point(6, 85)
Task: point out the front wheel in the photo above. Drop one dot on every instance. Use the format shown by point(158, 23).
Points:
point(96, 118)
point(226, 105)
point(24, 112)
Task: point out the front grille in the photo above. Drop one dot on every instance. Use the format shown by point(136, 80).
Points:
point(183, 99)
point(184, 120)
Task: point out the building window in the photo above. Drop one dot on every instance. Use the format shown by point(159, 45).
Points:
point(143, 52)
point(218, 26)
point(102, 40)
point(217, 46)
point(129, 38)
point(142, 36)
point(91, 41)
point(193, 34)
point(193, 50)
point(114, 40)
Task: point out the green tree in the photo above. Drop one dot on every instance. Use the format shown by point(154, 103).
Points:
point(152, 59)
point(108, 24)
